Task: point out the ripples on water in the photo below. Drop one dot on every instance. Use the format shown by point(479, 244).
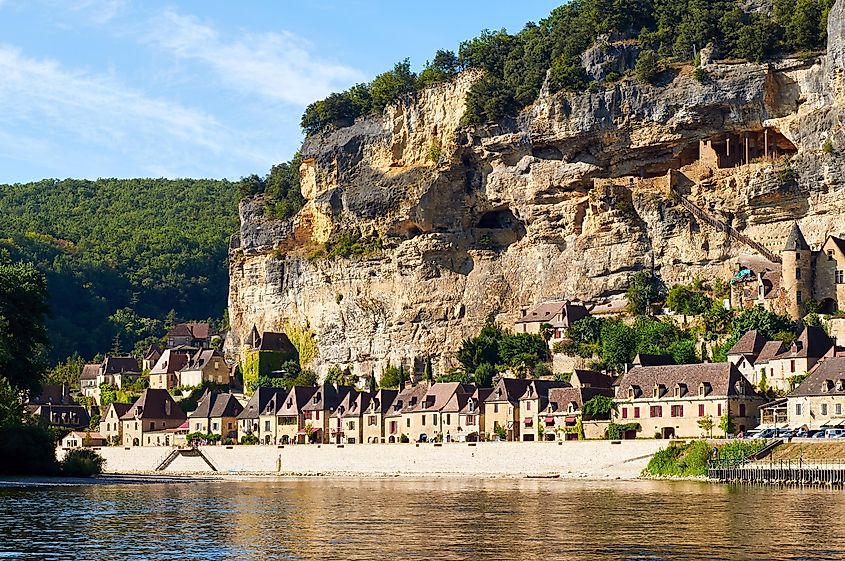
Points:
point(419, 519)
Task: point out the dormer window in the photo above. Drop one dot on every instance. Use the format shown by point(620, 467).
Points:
point(633, 392)
point(840, 385)
point(704, 389)
point(827, 385)
point(573, 407)
point(740, 387)
point(658, 390)
point(290, 402)
point(499, 393)
point(680, 390)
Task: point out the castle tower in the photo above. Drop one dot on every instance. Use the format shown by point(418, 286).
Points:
point(797, 272)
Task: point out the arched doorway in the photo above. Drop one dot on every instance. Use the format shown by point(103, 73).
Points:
point(266, 439)
point(828, 306)
point(135, 442)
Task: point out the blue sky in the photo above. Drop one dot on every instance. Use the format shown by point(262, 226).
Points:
point(116, 88)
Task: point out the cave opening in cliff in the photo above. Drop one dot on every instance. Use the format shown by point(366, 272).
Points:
point(501, 227)
point(736, 149)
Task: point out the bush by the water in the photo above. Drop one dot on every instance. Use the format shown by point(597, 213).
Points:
point(82, 463)
point(690, 459)
point(27, 450)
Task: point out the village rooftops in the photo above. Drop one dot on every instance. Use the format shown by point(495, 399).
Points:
point(260, 400)
point(327, 397)
point(201, 358)
point(611, 308)
point(407, 400)
point(749, 345)
point(271, 341)
point(89, 372)
point(154, 404)
point(813, 342)
point(439, 396)
point(771, 350)
point(826, 378)
point(508, 390)
point(571, 400)
point(642, 359)
point(196, 331)
point(795, 240)
point(172, 361)
point(296, 399)
point(120, 364)
point(353, 405)
point(557, 314)
point(382, 401)
point(720, 379)
point(591, 379)
point(120, 409)
point(56, 394)
point(215, 405)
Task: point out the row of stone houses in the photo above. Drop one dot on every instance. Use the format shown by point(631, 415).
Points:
point(817, 403)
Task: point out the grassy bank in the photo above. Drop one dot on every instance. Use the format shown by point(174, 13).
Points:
point(823, 450)
point(689, 459)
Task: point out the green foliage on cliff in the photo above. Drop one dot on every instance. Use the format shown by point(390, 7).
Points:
point(495, 349)
point(348, 244)
point(516, 65)
point(121, 253)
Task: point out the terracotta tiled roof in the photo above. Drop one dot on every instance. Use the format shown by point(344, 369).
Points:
point(383, 400)
point(295, 401)
point(327, 397)
point(407, 400)
point(171, 361)
point(215, 405)
point(770, 351)
point(547, 312)
point(119, 364)
point(120, 409)
point(722, 378)
point(439, 396)
point(643, 359)
point(560, 398)
point(198, 331)
point(508, 389)
point(826, 378)
point(591, 378)
point(813, 342)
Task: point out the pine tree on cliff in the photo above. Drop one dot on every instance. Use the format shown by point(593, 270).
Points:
point(429, 371)
point(373, 381)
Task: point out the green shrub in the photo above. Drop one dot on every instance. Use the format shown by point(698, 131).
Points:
point(27, 450)
point(404, 439)
point(699, 74)
point(249, 439)
point(827, 147)
point(82, 462)
point(647, 69)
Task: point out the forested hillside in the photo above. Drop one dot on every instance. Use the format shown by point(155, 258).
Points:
point(120, 255)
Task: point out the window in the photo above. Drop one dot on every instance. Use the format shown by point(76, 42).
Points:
point(792, 366)
point(528, 406)
point(448, 418)
point(656, 411)
point(798, 274)
point(266, 425)
point(700, 409)
point(423, 420)
point(838, 408)
point(636, 412)
point(798, 256)
point(495, 408)
point(718, 409)
point(408, 422)
point(742, 410)
point(840, 276)
point(152, 425)
point(624, 412)
point(677, 411)
point(470, 420)
point(307, 415)
point(372, 421)
point(830, 255)
point(798, 409)
point(824, 409)
point(434, 419)
point(798, 297)
point(215, 426)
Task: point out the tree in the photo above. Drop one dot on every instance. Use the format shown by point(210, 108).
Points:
point(23, 336)
point(387, 87)
point(685, 300)
point(67, 372)
point(599, 407)
point(619, 344)
point(643, 292)
point(647, 68)
point(429, 371)
point(706, 424)
point(391, 378)
point(371, 382)
point(726, 423)
point(444, 66)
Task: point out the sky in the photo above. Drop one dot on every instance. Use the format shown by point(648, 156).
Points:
point(200, 88)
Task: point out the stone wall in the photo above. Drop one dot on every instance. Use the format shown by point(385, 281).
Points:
point(593, 459)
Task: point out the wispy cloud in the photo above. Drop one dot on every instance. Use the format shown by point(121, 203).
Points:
point(50, 111)
point(277, 66)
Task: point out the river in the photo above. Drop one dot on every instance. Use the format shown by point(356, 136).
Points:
point(437, 519)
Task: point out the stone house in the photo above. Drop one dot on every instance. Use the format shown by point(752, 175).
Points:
point(346, 425)
point(55, 406)
point(531, 404)
point(190, 335)
point(206, 365)
point(396, 420)
point(111, 427)
point(319, 409)
point(564, 410)
point(88, 381)
point(155, 411)
point(165, 373)
point(290, 417)
point(82, 439)
point(777, 363)
point(435, 416)
point(249, 420)
point(669, 401)
point(558, 315)
point(501, 408)
point(216, 413)
point(471, 421)
point(819, 401)
point(151, 356)
point(374, 425)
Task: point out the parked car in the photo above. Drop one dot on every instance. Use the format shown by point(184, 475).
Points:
point(765, 433)
point(801, 433)
point(830, 433)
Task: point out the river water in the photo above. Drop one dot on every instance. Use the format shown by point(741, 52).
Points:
point(395, 519)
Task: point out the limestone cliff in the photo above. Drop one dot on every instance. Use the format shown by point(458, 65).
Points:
point(565, 201)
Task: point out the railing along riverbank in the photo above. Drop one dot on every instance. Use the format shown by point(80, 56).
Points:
point(751, 470)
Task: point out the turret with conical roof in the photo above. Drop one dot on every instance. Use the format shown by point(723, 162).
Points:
point(797, 272)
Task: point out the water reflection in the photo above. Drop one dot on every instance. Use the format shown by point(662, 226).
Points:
point(419, 519)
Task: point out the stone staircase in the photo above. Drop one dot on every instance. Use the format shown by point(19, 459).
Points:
point(184, 453)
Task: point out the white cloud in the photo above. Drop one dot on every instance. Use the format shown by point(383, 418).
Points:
point(98, 11)
point(50, 113)
point(276, 66)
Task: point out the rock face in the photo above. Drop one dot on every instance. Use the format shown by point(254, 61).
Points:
point(566, 201)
